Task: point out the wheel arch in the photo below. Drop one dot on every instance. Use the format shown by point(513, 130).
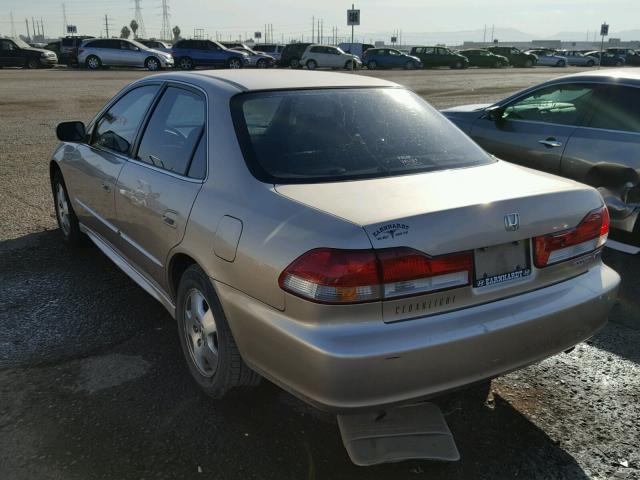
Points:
point(178, 264)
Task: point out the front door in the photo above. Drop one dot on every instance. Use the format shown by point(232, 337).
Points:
point(9, 54)
point(534, 129)
point(95, 167)
point(157, 189)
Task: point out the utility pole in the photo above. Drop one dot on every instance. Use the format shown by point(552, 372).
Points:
point(13, 26)
point(28, 34)
point(313, 29)
point(42, 25)
point(492, 30)
point(165, 33)
point(106, 24)
point(484, 35)
point(33, 28)
point(64, 19)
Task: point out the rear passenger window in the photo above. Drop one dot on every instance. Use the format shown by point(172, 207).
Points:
point(619, 110)
point(117, 128)
point(173, 132)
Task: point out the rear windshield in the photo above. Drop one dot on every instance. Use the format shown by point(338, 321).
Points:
point(307, 136)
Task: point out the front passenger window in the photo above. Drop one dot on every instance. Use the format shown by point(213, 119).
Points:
point(174, 130)
point(117, 128)
point(560, 104)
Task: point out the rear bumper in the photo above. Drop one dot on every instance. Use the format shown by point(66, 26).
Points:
point(342, 367)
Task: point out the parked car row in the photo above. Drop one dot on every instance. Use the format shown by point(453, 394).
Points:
point(187, 54)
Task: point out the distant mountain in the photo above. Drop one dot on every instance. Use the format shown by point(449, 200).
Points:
point(457, 38)
point(624, 35)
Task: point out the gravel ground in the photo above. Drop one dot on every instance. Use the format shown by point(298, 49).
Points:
point(93, 384)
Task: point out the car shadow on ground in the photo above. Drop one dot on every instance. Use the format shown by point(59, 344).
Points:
point(60, 303)
point(134, 412)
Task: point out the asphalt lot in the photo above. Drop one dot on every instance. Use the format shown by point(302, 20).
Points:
point(93, 383)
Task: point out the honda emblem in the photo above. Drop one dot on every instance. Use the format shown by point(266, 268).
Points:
point(511, 222)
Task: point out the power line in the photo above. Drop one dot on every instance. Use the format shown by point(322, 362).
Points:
point(139, 21)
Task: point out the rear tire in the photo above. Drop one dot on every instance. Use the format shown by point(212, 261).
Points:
point(185, 63)
point(207, 343)
point(312, 65)
point(372, 65)
point(93, 62)
point(66, 217)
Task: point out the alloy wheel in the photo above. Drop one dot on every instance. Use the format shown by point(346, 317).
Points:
point(234, 63)
point(93, 63)
point(372, 65)
point(153, 64)
point(186, 64)
point(201, 333)
point(62, 209)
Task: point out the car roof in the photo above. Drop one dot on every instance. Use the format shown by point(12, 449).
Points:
point(254, 80)
point(617, 75)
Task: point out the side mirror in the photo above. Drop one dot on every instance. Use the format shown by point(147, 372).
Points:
point(71, 132)
point(495, 114)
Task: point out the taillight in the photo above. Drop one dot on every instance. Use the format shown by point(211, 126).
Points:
point(590, 234)
point(352, 276)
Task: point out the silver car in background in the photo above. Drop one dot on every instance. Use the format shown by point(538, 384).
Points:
point(95, 53)
point(333, 233)
point(257, 59)
point(272, 49)
point(577, 58)
point(549, 58)
point(156, 45)
point(584, 126)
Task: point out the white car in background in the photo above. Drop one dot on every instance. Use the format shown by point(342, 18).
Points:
point(325, 56)
point(156, 45)
point(95, 53)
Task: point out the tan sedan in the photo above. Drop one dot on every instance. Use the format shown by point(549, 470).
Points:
point(333, 233)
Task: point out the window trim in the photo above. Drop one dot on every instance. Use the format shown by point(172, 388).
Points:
point(103, 112)
point(145, 122)
point(127, 156)
point(507, 101)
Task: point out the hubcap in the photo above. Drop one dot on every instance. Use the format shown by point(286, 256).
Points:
point(185, 63)
point(201, 333)
point(234, 64)
point(62, 207)
point(153, 65)
point(93, 63)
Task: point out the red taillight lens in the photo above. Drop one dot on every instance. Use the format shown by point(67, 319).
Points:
point(351, 276)
point(590, 234)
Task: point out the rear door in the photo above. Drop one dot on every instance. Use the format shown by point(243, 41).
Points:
point(610, 136)
point(535, 127)
point(156, 189)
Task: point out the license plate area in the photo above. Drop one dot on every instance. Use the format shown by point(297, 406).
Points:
point(501, 263)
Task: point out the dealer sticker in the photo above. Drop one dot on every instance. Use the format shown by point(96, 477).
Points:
point(503, 277)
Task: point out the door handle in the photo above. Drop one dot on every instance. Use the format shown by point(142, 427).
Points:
point(169, 217)
point(550, 142)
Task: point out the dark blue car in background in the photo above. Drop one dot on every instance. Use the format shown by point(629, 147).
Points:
point(189, 54)
point(389, 58)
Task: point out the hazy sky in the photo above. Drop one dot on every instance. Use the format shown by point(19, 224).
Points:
point(293, 18)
